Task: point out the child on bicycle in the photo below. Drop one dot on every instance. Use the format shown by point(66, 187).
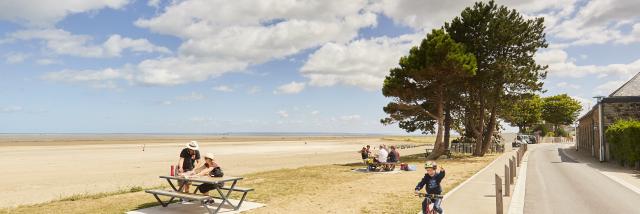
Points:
point(432, 180)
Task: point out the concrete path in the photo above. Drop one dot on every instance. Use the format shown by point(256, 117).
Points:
point(196, 208)
point(477, 195)
point(557, 183)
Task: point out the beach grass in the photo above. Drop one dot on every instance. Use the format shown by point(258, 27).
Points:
point(280, 189)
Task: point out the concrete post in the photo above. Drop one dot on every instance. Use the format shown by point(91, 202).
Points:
point(498, 195)
point(507, 177)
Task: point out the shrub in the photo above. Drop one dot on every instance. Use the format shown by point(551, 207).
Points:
point(560, 132)
point(624, 139)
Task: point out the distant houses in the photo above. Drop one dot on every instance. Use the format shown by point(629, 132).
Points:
point(623, 103)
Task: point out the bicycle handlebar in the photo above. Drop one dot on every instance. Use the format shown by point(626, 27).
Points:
point(430, 195)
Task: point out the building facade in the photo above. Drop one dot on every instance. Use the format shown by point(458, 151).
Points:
point(622, 104)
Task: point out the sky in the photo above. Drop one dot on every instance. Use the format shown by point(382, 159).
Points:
point(212, 66)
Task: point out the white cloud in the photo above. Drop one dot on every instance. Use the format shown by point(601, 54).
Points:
point(166, 102)
point(223, 88)
point(283, 114)
point(47, 61)
point(562, 66)
point(428, 14)
point(105, 79)
point(10, 109)
point(607, 88)
point(567, 85)
point(116, 44)
point(194, 96)
point(153, 3)
point(227, 36)
point(48, 12)
point(13, 58)
point(600, 22)
point(290, 88)
point(315, 112)
point(63, 42)
point(363, 63)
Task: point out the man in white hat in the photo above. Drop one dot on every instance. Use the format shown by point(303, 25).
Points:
point(189, 158)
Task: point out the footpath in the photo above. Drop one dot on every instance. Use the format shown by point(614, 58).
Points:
point(478, 193)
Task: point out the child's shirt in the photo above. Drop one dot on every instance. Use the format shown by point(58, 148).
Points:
point(432, 183)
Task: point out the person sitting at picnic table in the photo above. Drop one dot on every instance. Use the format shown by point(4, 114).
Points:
point(209, 168)
point(189, 158)
point(382, 155)
point(394, 156)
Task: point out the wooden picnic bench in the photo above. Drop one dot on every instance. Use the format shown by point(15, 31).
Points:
point(218, 183)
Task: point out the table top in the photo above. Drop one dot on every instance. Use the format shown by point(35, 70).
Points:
point(203, 179)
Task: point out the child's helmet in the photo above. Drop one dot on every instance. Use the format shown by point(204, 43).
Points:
point(430, 165)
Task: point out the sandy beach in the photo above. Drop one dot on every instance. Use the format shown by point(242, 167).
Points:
point(44, 168)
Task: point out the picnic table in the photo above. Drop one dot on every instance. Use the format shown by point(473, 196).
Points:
point(218, 182)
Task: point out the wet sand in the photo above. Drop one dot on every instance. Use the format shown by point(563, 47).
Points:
point(43, 168)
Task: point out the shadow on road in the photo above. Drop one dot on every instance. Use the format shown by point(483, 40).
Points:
point(564, 158)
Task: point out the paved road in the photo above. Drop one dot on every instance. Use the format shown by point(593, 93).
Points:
point(558, 184)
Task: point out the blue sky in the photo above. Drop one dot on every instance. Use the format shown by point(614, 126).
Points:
point(260, 66)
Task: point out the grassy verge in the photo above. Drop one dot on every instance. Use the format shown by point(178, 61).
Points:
point(316, 189)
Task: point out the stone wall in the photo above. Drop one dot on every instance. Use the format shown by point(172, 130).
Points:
point(619, 111)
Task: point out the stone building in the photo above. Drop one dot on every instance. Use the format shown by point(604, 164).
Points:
point(623, 103)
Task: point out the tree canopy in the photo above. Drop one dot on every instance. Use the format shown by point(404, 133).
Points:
point(560, 109)
point(524, 112)
point(422, 85)
point(504, 43)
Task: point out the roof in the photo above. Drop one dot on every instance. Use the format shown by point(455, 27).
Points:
point(630, 88)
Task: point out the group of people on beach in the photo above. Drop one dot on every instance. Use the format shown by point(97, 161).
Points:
point(191, 164)
point(385, 156)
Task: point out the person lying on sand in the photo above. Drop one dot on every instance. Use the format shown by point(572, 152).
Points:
point(189, 158)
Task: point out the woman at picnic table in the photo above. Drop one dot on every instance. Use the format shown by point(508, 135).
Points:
point(209, 168)
point(189, 158)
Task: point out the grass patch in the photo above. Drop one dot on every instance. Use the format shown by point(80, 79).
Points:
point(332, 187)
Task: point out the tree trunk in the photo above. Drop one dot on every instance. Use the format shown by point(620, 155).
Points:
point(447, 128)
point(480, 128)
point(438, 146)
point(487, 141)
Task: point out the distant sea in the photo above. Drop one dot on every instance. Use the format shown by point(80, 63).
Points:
point(209, 134)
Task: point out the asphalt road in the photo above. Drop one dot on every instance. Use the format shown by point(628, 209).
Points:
point(557, 184)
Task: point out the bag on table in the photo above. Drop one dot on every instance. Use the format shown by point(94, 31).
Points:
point(216, 172)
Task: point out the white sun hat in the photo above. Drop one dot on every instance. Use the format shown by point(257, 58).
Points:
point(209, 155)
point(193, 145)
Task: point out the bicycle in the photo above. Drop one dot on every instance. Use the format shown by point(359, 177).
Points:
point(430, 198)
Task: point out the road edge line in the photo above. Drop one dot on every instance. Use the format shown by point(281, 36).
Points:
point(620, 181)
point(473, 176)
point(517, 198)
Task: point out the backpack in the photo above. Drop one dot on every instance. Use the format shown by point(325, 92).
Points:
point(216, 172)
